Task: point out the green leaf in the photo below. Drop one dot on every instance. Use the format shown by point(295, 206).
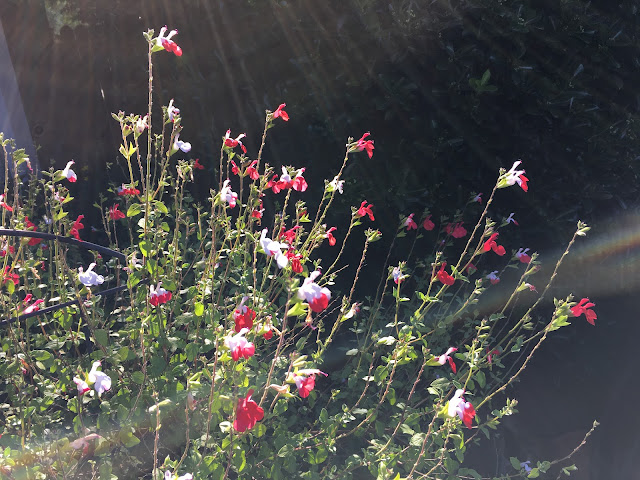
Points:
point(239, 460)
point(161, 207)
point(11, 287)
point(515, 463)
point(123, 353)
point(192, 351)
point(60, 215)
point(128, 439)
point(299, 309)
point(138, 377)
point(285, 451)
point(199, 309)
point(134, 209)
point(102, 337)
point(480, 378)
point(534, 473)
point(144, 248)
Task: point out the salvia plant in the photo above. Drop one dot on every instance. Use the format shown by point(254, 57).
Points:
point(194, 345)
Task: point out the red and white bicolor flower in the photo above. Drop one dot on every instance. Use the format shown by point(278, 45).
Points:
point(522, 255)
point(446, 357)
point(410, 224)
point(34, 307)
point(158, 295)
point(464, 410)
point(305, 380)
point(493, 277)
point(510, 219)
point(274, 249)
point(165, 43)
point(68, 173)
point(478, 198)
point(513, 176)
point(316, 296)
point(398, 276)
point(227, 195)
point(4, 204)
point(299, 184)
point(234, 142)
point(172, 111)
point(239, 346)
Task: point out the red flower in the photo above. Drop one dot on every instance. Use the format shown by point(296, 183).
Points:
point(257, 213)
point(243, 317)
point(491, 353)
point(274, 184)
point(410, 223)
point(428, 224)
point(126, 190)
point(522, 255)
point(330, 237)
point(456, 231)
point(289, 235)
point(294, 258)
point(491, 244)
point(281, 113)
point(268, 334)
point(234, 169)
point(443, 276)
point(8, 275)
point(248, 413)
point(365, 210)
point(584, 307)
point(115, 214)
point(198, 165)
point(239, 345)
point(30, 226)
point(76, 227)
point(464, 410)
point(366, 145)
point(3, 204)
point(252, 172)
point(471, 269)
point(7, 249)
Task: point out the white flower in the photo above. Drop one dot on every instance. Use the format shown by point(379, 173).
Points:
point(510, 219)
point(337, 184)
point(274, 249)
point(169, 476)
point(172, 111)
point(101, 381)
point(228, 195)
point(180, 145)
point(90, 278)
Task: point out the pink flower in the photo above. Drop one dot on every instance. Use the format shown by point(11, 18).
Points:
point(317, 297)
point(446, 357)
point(68, 173)
point(521, 254)
point(4, 205)
point(240, 347)
point(428, 224)
point(252, 172)
point(584, 306)
point(443, 276)
point(76, 227)
point(281, 113)
point(464, 410)
point(101, 381)
point(329, 235)
point(227, 195)
point(514, 176)
point(234, 142)
point(365, 210)
point(248, 413)
point(493, 278)
point(410, 223)
point(198, 165)
point(115, 214)
point(491, 244)
point(158, 295)
point(366, 145)
point(166, 42)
